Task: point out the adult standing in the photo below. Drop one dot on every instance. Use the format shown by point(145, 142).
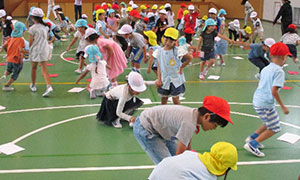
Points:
point(51, 5)
point(78, 9)
point(286, 15)
point(248, 10)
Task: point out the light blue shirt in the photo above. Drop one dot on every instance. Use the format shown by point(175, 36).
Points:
point(256, 51)
point(169, 67)
point(154, 59)
point(102, 25)
point(186, 166)
point(270, 76)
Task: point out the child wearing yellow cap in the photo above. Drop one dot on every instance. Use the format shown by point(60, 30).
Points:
point(222, 157)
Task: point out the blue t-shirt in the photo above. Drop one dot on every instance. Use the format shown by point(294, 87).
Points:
point(256, 51)
point(270, 76)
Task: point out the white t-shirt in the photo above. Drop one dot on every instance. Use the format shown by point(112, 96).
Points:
point(170, 16)
point(290, 38)
point(99, 79)
point(78, 2)
point(82, 43)
point(258, 25)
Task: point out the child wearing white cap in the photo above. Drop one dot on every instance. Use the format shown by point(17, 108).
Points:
point(6, 26)
point(257, 27)
point(120, 101)
point(51, 5)
point(233, 29)
point(161, 25)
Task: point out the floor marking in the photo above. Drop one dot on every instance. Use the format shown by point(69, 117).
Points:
point(62, 57)
point(142, 167)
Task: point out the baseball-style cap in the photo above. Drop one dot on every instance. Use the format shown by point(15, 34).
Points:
point(135, 13)
point(134, 6)
point(269, 42)
point(136, 82)
point(154, 6)
point(38, 12)
point(2, 13)
point(105, 6)
point(19, 28)
point(84, 16)
point(191, 7)
point(236, 23)
point(163, 11)
point(279, 49)
point(81, 23)
point(222, 155)
point(292, 26)
point(167, 5)
point(97, 7)
point(218, 106)
point(151, 37)
point(212, 11)
point(150, 14)
point(9, 18)
point(89, 32)
point(125, 29)
point(182, 5)
point(189, 31)
point(209, 22)
point(56, 7)
point(115, 6)
point(253, 14)
point(171, 33)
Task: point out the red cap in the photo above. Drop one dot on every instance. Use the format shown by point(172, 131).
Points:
point(182, 5)
point(146, 19)
point(105, 7)
point(115, 6)
point(218, 106)
point(279, 49)
point(48, 24)
point(135, 13)
point(189, 31)
point(292, 26)
point(97, 7)
point(147, 6)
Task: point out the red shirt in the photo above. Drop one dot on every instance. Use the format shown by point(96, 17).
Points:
point(190, 20)
point(180, 13)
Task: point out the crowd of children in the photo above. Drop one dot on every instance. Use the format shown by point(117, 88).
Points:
point(120, 33)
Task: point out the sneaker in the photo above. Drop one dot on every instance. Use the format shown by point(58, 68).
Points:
point(201, 77)
point(48, 91)
point(205, 72)
point(254, 151)
point(33, 88)
point(131, 124)
point(117, 123)
point(222, 63)
point(92, 94)
point(9, 88)
point(78, 71)
point(257, 76)
point(259, 146)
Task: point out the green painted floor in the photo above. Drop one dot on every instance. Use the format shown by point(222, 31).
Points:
point(83, 143)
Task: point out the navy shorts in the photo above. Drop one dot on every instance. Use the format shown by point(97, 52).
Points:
point(135, 53)
point(208, 56)
point(171, 91)
point(80, 53)
point(293, 50)
point(15, 69)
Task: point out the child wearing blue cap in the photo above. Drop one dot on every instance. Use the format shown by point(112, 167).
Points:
point(63, 24)
point(221, 45)
point(15, 49)
point(82, 26)
point(111, 24)
point(208, 37)
point(97, 67)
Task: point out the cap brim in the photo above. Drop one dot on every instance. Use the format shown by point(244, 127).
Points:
point(139, 89)
point(122, 32)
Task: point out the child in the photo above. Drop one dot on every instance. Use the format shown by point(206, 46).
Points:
point(272, 79)
point(51, 39)
point(121, 100)
point(151, 23)
point(189, 165)
point(63, 24)
point(248, 10)
point(180, 26)
point(199, 23)
point(292, 39)
point(212, 13)
point(233, 29)
point(111, 24)
point(170, 15)
point(123, 9)
point(150, 38)
point(100, 82)
point(161, 25)
point(6, 26)
point(208, 37)
point(81, 25)
point(170, 80)
point(245, 34)
point(101, 27)
point(257, 27)
point(136, 51)
point(167, 130)
point(184, 48)
point(221, 45)
point(15, 52)
point(39, 49)
point(143, 13)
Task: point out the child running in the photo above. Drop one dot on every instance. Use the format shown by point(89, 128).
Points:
point(272, 79)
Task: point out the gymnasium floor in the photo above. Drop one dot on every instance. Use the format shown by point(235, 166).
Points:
point(62, 139)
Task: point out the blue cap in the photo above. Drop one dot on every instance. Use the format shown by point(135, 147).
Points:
point(222, 11)
point(182, 41)
point(111, 11)
point(19, 28)
point(122, 3)
point(92, 51)
point(209, 22)
point(31, 10)
point(81, 23)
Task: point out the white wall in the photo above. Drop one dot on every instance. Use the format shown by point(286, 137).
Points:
point(270, 10)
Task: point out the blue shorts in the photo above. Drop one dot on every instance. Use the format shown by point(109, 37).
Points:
point(269, 117)
point(135, 54)
point(15, 69)
point(174, 92)
point(208, 56)
point(221, 47)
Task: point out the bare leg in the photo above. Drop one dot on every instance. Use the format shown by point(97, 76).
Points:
point(265, 135)
point(81, 62)
point(9, 82)
point(33, 72)
point(164, 100)
point(211, 62)
point(176, 100)
point(261, 129)
point(45, 73)
point(202, 64)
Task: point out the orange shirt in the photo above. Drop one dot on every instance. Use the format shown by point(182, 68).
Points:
point(180, 13)
point(13, 49)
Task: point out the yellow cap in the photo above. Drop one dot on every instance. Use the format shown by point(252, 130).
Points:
point(129, 9)
point(222, 156)
point(154, 7)
point(109, 5)
point(248, 30)
point(143, 7)
point(99, 11)
point(152, 37)
point(162, 7)
point(172, 33)
point(204, 17)
point(185, 12)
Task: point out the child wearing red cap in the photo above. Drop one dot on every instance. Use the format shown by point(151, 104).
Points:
point(272, 79)
point(292, 39)
point(180, 14)
point(158, 128)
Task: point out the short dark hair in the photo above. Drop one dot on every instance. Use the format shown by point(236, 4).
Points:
point(188, 37)
point(290, 30)
point(213, 117)
point(92, 37)
point(244, 2)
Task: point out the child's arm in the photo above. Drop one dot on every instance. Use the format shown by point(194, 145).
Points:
point(297, 43)
point(31, 39)
point(158, 82)
point(226, 38)
point(104, 34)
point(145, 54)
point(275, 94)
point(82, 75)
point(150, 61)
point(242, 43)
point(4, 47)
point(199, 42)
point(188, 59)
point(59, 17)
point(71, 44)
point(52, 40)
point(181, 148)
point(128, 51)
point(21, 54)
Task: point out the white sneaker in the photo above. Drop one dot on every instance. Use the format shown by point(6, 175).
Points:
point(131, 124)
point(78, 71)
point(259, 146)
point(201, 77)
point(48, 91)
point(257, 76)
point(92, 94)
point(254, 151)
point(222, 63)
point(33, 88)
point(9, 88)
point(117, 123)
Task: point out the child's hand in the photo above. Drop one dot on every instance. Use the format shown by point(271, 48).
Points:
point(76, 82)
point(180, 70)
point(158, 83)
point(148, 70)
point(285, 110)
point(132, 119)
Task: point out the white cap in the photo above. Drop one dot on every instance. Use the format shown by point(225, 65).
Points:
point(253, 14)
point(84, 16)
point(125, 29)
point(150, 14)
point(167, 5)
point(131, 3)
point(38, 12)
point(191, 7)
point(134, 6)
point(56, 7)
point(155, 5)
point(236, 23)
point(89, 32)
point(2, 13)
point(212, 11)
point(136, 82)
point(9, 18)
point(163, 11)
point(269, 42)
point(103, 4)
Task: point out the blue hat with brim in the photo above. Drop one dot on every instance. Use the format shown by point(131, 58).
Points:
point(222, 11)
point(92, 51)
point(111, 11)
point(81, 23)
point(209, 22)
point(122, 3)
point(182, 41)
point(19, 29)
point(31, 10)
